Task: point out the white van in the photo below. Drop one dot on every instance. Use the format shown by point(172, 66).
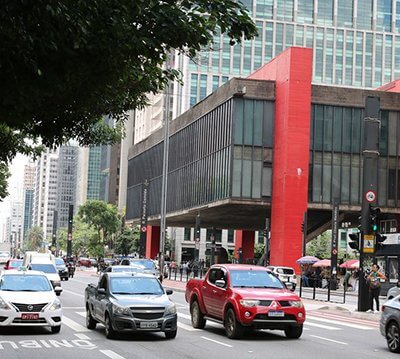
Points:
point(33, 256)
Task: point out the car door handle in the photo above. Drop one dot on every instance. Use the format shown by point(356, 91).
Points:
point(214, 291)
point(204, 287)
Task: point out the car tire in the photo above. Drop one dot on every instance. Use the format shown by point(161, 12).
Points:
point(233, 329)
point(393, 337)
point(110, 332)
point(55, 330)
point(171, 334)
point(90, 321)
point(294, 332)
point(197, 316)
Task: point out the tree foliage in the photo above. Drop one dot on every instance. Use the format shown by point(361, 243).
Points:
point(65, 64)
point(128, 241)
point(84, 239)
point(34, 240)
point(103, 218)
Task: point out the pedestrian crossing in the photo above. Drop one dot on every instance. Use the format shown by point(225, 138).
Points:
point(314, 321)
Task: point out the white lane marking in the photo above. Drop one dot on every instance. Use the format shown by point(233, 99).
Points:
point(337, 322)
point(217, 342)
point(82, 336)
point(210, 323)
point(328, 327)
point(76, 308)
point(111, 354)
point(82, 314)
point(70, 292)
point(74, 325)
point(328, 340)
point(187, 327)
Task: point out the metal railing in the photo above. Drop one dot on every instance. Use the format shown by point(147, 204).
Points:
point(330, 292)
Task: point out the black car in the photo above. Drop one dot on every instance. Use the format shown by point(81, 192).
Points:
point(62, 269)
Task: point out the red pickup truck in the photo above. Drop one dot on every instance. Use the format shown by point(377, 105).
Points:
point(244, 296)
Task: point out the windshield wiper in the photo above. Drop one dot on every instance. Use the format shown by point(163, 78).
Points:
point(144, 293)
point(122, 293)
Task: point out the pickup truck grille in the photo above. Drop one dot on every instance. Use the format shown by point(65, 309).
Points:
point(148, 313)
point(282, 303)
point(32, 307)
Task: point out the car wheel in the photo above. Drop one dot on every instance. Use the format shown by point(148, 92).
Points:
point(110, 332)
point(233, 329)
point(171, 334)
point(90, 321)
point(56, 329)
point(294, 332)
point(197, 316)
point(393, 337)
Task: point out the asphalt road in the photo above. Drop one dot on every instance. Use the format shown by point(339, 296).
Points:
point(326, 335)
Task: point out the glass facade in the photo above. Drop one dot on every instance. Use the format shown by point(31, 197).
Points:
point(355, 43)
point(336, 156)
point(225, 153)
point(94, 173)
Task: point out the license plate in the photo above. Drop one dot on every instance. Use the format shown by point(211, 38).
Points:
point(148, 325)
point(29, 316)
point(276, 313)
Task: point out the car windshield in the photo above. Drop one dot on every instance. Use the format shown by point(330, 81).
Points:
point(46, 268)
point(136, 286)
point(25, 283)
point(254, 279)
point(145, 263)
point(15, 264)
point(60, 262)
point(127, 269)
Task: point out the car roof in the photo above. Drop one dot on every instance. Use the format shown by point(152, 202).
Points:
point(23, 272)
point(138, 266)
point(241, 267)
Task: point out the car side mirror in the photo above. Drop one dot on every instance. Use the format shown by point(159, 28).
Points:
point(290, 286)
point(169, 291)
point(220, 283)
point(398, 284)
point(101, 291)
point(58, 290)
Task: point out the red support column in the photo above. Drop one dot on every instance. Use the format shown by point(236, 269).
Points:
point(292, 73)
point(244, 240)
point(152, 241)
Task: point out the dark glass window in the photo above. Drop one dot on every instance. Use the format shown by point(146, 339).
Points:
point(186, 234)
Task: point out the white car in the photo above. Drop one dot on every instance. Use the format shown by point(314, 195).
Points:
point(50, 271)
point(28, 299)
point(285, 274)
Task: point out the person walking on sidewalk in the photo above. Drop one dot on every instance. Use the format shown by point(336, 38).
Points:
point(374, 284)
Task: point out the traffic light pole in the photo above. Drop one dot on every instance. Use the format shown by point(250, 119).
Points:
point(69, 239)
point(369, 197)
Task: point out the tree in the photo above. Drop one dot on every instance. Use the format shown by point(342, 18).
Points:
point(82, 238)
point(103, 218)
point(128, 241)
point(66, 64)
point(34, 240)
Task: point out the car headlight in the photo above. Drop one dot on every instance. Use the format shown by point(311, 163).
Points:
point(249, 302)
point(121, 310)
point(55, 305)
point(4, 305)
point(170, 309)
point(296, 303)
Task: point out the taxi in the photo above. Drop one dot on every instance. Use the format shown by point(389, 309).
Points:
point(27, 298)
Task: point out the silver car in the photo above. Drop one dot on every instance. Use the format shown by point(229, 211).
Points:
point(390, 324)
point(394, 291)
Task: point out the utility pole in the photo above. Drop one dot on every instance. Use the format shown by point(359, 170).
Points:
point(69, 239)
point(370, 153)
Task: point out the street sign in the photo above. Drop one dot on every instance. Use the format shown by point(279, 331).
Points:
point(370, 196)
point(368, 243)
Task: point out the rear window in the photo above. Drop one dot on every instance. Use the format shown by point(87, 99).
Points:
point(285, 271)
point(46, 268)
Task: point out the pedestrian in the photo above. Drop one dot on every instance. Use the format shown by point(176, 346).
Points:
point(374, 285)
point(346, 279)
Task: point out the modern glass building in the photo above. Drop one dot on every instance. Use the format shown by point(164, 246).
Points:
point(94, 175)
point(355, 43)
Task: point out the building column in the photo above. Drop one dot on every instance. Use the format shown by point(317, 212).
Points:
point(244, 240)
point(152, 241)
point(292, 73)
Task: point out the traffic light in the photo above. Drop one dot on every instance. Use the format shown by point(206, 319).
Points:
point(379, 239)
point(302, 227)
point(374, 213)
point(354, 241)
point(197, 229)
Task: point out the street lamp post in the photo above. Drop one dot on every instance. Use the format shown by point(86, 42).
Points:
point(163, 211)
